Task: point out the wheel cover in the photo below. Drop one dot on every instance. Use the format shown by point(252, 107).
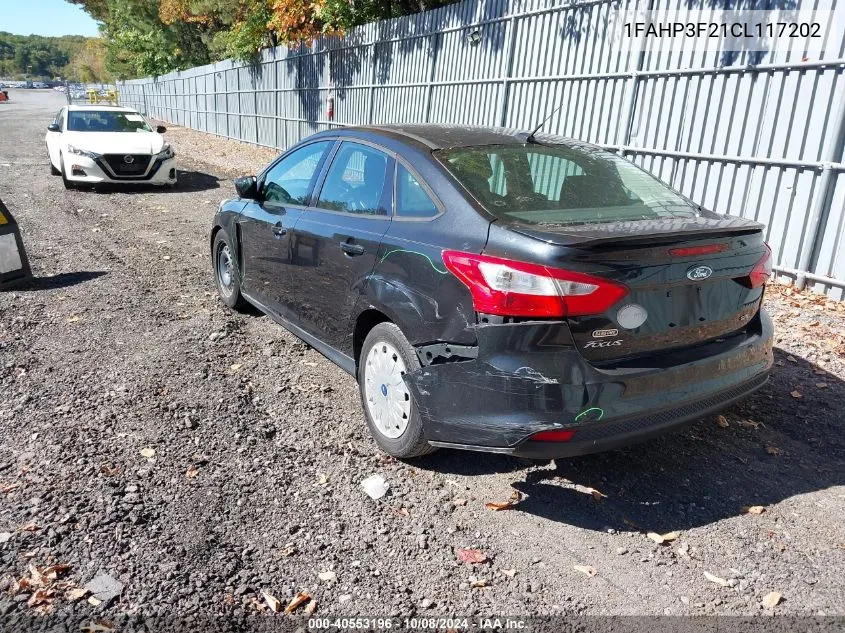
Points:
point(388, 399)
point(225, 270)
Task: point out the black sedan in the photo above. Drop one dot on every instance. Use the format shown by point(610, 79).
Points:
point(496, 291)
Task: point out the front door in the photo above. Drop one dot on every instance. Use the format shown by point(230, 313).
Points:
point(266, 226)
point(336, 242)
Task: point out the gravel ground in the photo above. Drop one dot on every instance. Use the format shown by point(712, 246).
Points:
point(200, 457)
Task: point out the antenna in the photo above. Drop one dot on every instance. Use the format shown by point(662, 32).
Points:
point(530, 137)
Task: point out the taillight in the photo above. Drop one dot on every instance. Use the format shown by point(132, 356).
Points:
point(762, 270)
point(506, 287)
point(557, 435)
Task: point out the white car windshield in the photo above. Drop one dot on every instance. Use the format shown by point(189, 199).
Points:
point(106, 121)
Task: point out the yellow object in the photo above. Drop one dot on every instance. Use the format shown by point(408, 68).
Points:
point(3, 219)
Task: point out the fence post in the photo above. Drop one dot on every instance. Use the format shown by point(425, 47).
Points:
point(255, 101)
point(371, 105)
point(277, 120)
point(510, 47)
point(623, 133)
point(431, 74)
point(824, 197)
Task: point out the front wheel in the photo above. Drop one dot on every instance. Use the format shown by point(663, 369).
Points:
point(226, 273)
point(67, 183)
point(391, 413)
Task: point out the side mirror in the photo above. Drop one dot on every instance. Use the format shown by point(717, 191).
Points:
point(54, 127)
point(161, 129)
point(247, 187)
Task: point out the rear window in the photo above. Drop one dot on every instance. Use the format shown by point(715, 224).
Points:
point(561, 184)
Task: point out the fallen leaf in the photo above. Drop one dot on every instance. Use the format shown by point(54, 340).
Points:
point(473, 556)
point(821, 385)
point(719, 581)
point(478, 583)
point(510, 573)
point(753, 509)
point(29, 527)
point(327, 576)
point(272, 602)
point(97, 626)
point(109, 471)
point(791, 359)
point(76, 593)
point(54, 571)
point(73, 319)
point(586, 569)
point(722, 421)
point(41, 596)
point(9, 488)
point(311, 607)
point(749, 424)
point(773, 450)
point(597, 495)
point(148, 452)
point(796, 394)
point(771, 599)
point(236, 367)
point(94, 602)
point(192, 472)
point(459, 501)
point(400, 512)
point(516, 497)
point(660, 539)
point(297, 601)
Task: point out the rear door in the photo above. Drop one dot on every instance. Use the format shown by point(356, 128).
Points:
point(336, 242)
point(266, 226)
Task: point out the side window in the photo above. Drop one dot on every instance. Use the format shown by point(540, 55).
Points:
point(412, 201)
point(60, 119)
point(355, 182)
point(290, 180)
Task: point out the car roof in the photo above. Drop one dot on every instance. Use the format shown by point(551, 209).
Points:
point(94, 108)
point(442, 136)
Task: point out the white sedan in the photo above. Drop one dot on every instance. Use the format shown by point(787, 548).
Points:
point(108, 144)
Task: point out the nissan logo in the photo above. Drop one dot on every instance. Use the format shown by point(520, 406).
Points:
point(699, 273)
point(129, 159)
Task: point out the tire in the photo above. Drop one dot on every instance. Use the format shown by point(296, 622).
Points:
point(230, 293)
point(397, 427)
point(53, 170)
point(67, 183)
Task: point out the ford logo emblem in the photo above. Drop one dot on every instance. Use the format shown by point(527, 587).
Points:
point(699, 273)
point(129, 159)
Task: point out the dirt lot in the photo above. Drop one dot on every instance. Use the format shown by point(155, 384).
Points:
point(121, 345)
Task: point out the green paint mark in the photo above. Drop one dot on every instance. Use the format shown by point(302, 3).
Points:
point(431, 263)
point(583, 413)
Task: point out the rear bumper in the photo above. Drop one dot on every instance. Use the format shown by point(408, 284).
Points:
point(529, 377)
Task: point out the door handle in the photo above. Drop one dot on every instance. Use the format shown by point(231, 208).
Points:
point(279, 230)
point(352, 249)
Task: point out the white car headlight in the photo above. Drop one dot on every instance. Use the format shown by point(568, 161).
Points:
point(81, 152)
point(166, 152)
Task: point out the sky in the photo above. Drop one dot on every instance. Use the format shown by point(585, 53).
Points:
point(45, 17)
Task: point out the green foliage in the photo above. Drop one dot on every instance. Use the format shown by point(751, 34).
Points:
point(39, 57)
point(153, 37)
point(138, 43)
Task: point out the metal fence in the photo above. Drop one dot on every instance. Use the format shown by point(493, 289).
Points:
point(760, 135)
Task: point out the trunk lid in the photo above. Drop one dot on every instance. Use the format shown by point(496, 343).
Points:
point(678, 295)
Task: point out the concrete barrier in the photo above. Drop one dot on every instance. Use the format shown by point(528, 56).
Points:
point(14, 266)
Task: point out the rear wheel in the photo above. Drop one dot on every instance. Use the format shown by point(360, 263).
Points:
point(226, 273)
point(392, 415)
